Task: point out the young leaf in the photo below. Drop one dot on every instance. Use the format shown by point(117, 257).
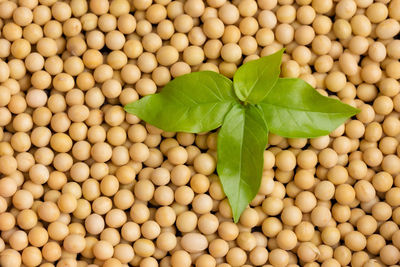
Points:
point(241, 144)
point(195, 102)
point(253, 80)
point(294, 109)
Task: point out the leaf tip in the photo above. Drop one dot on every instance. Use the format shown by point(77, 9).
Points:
point(356, 111)
point(352, 111)
point(126, 107)
point(237, 211)
point(134, 107)
point(129, 108)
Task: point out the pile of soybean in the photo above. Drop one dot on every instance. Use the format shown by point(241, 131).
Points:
point(82, 183)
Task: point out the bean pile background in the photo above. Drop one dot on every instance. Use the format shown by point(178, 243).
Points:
point(82, 183)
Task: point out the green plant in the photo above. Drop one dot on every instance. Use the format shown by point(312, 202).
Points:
point(257, 101)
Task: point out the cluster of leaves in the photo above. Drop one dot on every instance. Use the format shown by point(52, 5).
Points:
point(256, 102)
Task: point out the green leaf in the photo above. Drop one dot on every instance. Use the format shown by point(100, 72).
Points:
point(253, 80)
point(241, 144)
point(194, 102)
point(294, 109)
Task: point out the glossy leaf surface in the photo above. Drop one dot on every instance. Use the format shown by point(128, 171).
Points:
point(195, 102)
point(254, 80)
point(241, 144)
point(294, 109)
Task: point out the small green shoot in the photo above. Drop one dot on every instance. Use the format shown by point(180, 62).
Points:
point(256, 102)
